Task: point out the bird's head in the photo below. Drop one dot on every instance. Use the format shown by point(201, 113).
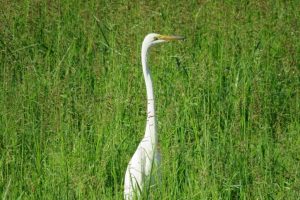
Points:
point(154, 38)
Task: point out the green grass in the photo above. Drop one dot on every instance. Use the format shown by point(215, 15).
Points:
point(73, 110)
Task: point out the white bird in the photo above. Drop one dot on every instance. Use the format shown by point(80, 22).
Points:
point(139, 169)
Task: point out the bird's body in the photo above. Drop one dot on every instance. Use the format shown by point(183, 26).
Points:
point(147, 156)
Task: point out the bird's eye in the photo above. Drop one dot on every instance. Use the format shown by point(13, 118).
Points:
point(155, 38)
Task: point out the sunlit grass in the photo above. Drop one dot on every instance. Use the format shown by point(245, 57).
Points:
point(73, 110)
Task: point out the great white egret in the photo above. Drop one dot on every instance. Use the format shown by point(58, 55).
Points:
point(147, 155)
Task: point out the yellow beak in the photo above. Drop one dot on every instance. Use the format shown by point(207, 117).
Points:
point(170, 37)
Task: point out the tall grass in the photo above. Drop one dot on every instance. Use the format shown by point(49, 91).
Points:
point(72, 98)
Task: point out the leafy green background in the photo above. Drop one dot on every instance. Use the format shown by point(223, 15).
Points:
point(73, 105)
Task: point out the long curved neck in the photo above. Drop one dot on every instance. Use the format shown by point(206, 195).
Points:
point(151, 122)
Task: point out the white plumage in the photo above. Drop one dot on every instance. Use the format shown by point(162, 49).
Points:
point(140, 168)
